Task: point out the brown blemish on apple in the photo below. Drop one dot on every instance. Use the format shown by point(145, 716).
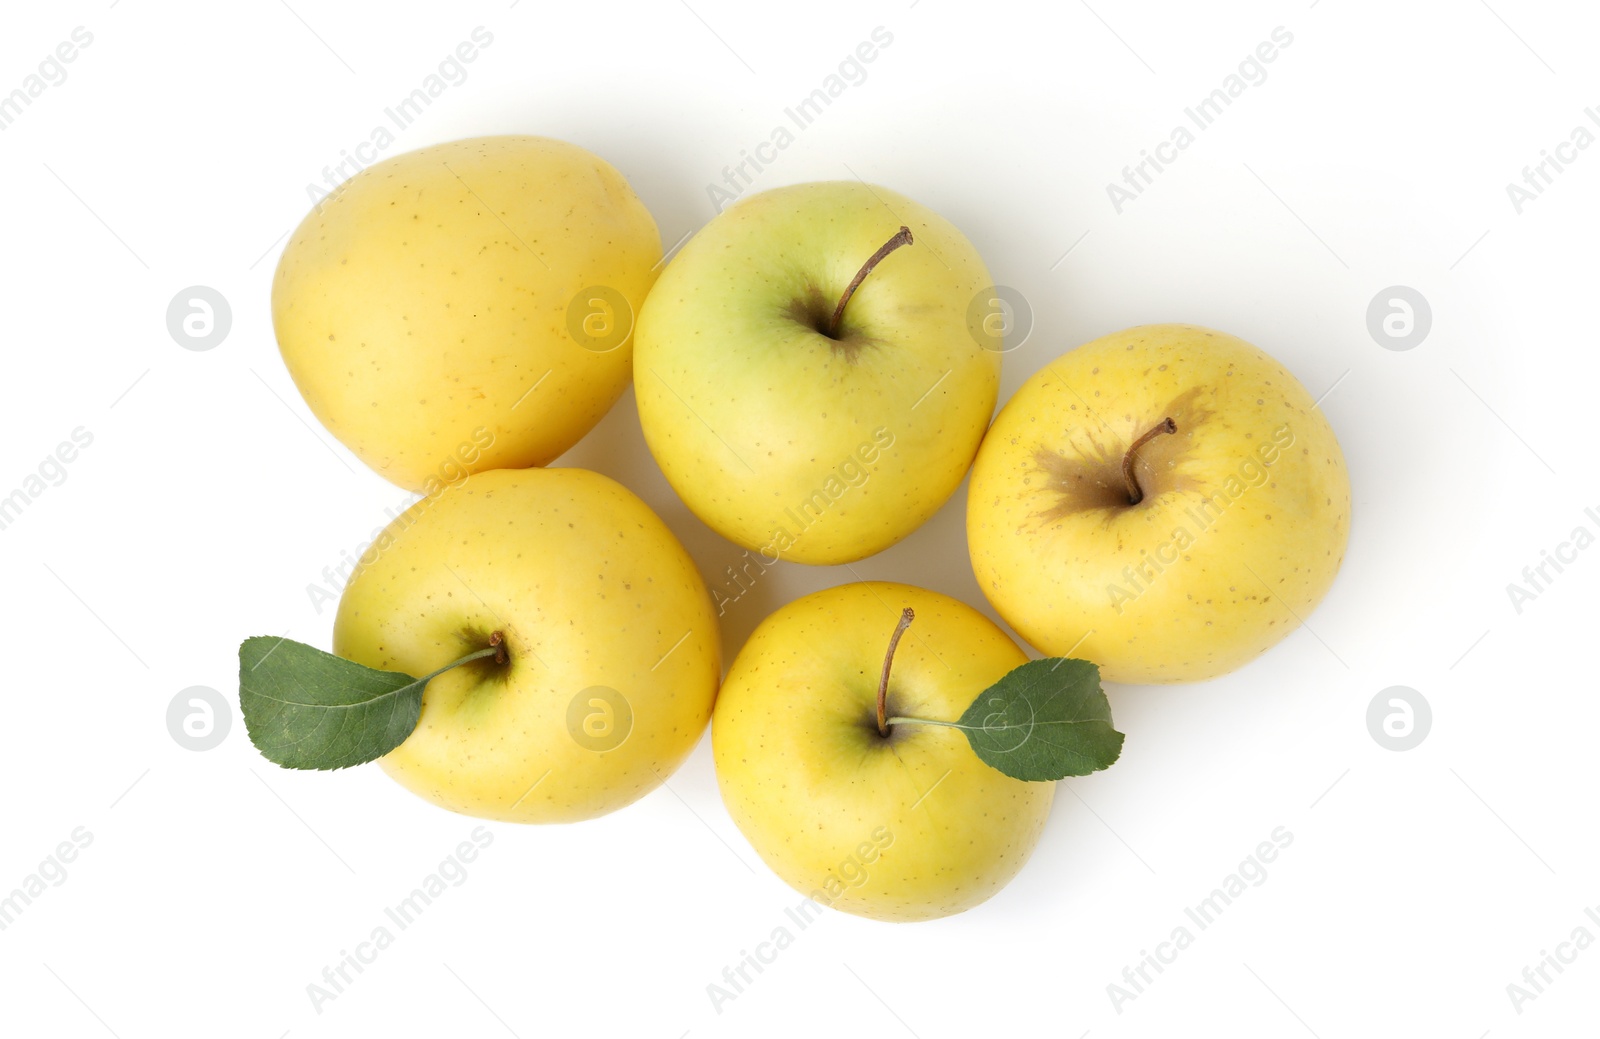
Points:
point(814, 312)
point(1092, 479)
point(828, 320)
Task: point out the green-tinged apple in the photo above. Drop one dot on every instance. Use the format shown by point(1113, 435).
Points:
point(570, 653)
point(902, 822)
point(815, 369)
point(1167, 501)
point(466, 306)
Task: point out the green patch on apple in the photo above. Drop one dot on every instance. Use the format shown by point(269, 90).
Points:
point(794, 326)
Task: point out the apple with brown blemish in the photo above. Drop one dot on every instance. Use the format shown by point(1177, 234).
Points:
point(1167, 501)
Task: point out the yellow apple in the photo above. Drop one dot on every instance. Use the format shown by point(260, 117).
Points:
point(1230, 533)
point(907, 826)
point(467, 306)
point(797, 436)
point(613, 651)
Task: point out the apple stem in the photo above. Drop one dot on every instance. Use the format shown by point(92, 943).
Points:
point(906, 617)
point(1135, 494)
point(901, 237)
point(926, 721)
point(496, 648)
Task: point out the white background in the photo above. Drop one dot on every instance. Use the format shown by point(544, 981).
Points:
point(1419, 884)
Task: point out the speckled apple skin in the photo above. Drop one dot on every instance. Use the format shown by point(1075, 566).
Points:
point(591, 591)
point(794, 444)
point(425, 310)
point(1242, 528)
point(911, 827)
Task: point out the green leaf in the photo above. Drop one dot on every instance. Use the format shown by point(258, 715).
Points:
point(305, 708)
point(1045, 720)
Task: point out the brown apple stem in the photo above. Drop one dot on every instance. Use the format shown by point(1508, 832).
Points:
point(498, 641)
point(1135, 494)
point(906, 616)
point(901, 237)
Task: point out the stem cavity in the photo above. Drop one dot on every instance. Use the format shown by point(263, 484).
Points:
point(906, 617)
point(1135, 493)
point(901, 237)
point(496, 648)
